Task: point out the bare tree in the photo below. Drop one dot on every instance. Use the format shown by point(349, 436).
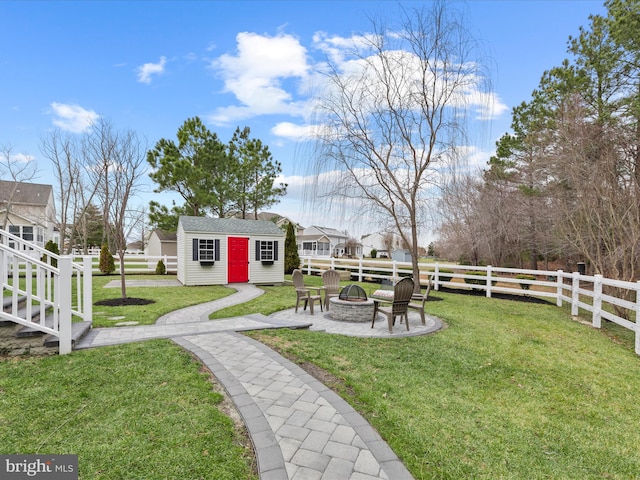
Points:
point(18, 171)
point(100, 150)
point(388, 242)
point(393, 118)
point(121, 183)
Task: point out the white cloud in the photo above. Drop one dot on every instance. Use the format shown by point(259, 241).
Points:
point(73, 118)
point(21, 158)
point(257, 73)
point(294, 132)
point(148, 69)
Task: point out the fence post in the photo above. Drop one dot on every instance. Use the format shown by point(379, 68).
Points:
point(638, 317)
point(64, 298)
point(575, 293)
point(488, 281)
point(395, 270)
point(596, 318)
point(360, 270)
point(436, 278)
point(87, 288)
point(559, 290)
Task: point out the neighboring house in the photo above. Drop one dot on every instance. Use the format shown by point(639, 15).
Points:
point(218, 251)
point(276, 218)
point(326, 242)
point(401, 255)
point(378, 242)
point(162, 243)
point(29, 209)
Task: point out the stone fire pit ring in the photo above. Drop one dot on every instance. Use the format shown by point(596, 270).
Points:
point(350, 311)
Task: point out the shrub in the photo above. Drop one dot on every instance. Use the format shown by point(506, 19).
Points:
point(161, 269)
point(477, 281)
point(444, 278)
point(524, 276)
point(52, 247)
point(107, 263)
point(374, 253)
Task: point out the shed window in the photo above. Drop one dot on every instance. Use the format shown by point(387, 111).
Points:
point(206, 249)
point(267, 250)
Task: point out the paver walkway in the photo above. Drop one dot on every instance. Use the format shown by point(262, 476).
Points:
point(300, 428)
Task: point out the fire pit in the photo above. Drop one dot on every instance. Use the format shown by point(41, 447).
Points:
point(353, 293)
point(351, 305)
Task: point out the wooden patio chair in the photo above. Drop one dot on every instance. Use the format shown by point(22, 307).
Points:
point(418, 300)
point(303, 292)
point(331, 286)
point(402, 292)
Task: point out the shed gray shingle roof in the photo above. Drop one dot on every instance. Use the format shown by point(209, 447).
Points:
point(165, 236)
point(230, 226)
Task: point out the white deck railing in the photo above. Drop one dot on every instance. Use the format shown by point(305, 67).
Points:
point(614, 300)
point(37, 288)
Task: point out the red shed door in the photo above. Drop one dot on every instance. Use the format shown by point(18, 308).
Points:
point(238, 266)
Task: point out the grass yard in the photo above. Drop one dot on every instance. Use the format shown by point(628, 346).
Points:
point(138, 411)
point(166, 299)
point(508, 390)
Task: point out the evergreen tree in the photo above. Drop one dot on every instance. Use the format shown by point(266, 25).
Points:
point(291, 257)
point(107, 263)
point(256, 171)
point(52, 247)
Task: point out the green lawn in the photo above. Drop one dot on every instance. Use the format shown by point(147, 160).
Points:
point(166, 299)
point(507, 390)
point(137, 411)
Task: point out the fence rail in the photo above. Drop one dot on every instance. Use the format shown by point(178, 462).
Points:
point(138, 263)
point(614, 300)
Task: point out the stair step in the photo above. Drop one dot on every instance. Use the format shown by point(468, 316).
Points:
point(31, 331)
point(7, 300)
point(22, 313)
point(78, 330)
point(6, 306)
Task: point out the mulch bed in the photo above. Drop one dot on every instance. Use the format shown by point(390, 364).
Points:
point(502, 296)
point(124, 302)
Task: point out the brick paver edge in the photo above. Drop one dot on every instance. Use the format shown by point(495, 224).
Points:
point(268, 453)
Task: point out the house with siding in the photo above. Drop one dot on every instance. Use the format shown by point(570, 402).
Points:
point(383, 242)
point(162, 243)
point(28, 209)
point(218, 251)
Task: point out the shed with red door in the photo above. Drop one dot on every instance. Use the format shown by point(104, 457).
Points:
point(219, 251)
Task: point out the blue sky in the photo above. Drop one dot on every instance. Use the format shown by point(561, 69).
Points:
point(148, 66)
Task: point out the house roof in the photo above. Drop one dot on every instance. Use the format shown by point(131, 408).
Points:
point(25, 193)
point(230, 226)
point(165, 236)
point(272, 217)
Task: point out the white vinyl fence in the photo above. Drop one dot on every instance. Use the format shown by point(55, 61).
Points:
point(613, 300)
point(138, 263)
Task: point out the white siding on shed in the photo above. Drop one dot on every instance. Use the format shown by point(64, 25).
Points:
point(191, 272)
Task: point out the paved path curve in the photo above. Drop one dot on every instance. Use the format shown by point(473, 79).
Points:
point(300, 428)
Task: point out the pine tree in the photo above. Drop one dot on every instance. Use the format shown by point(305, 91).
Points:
point(52, 247)
point(291, 257)
point(107, 263)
